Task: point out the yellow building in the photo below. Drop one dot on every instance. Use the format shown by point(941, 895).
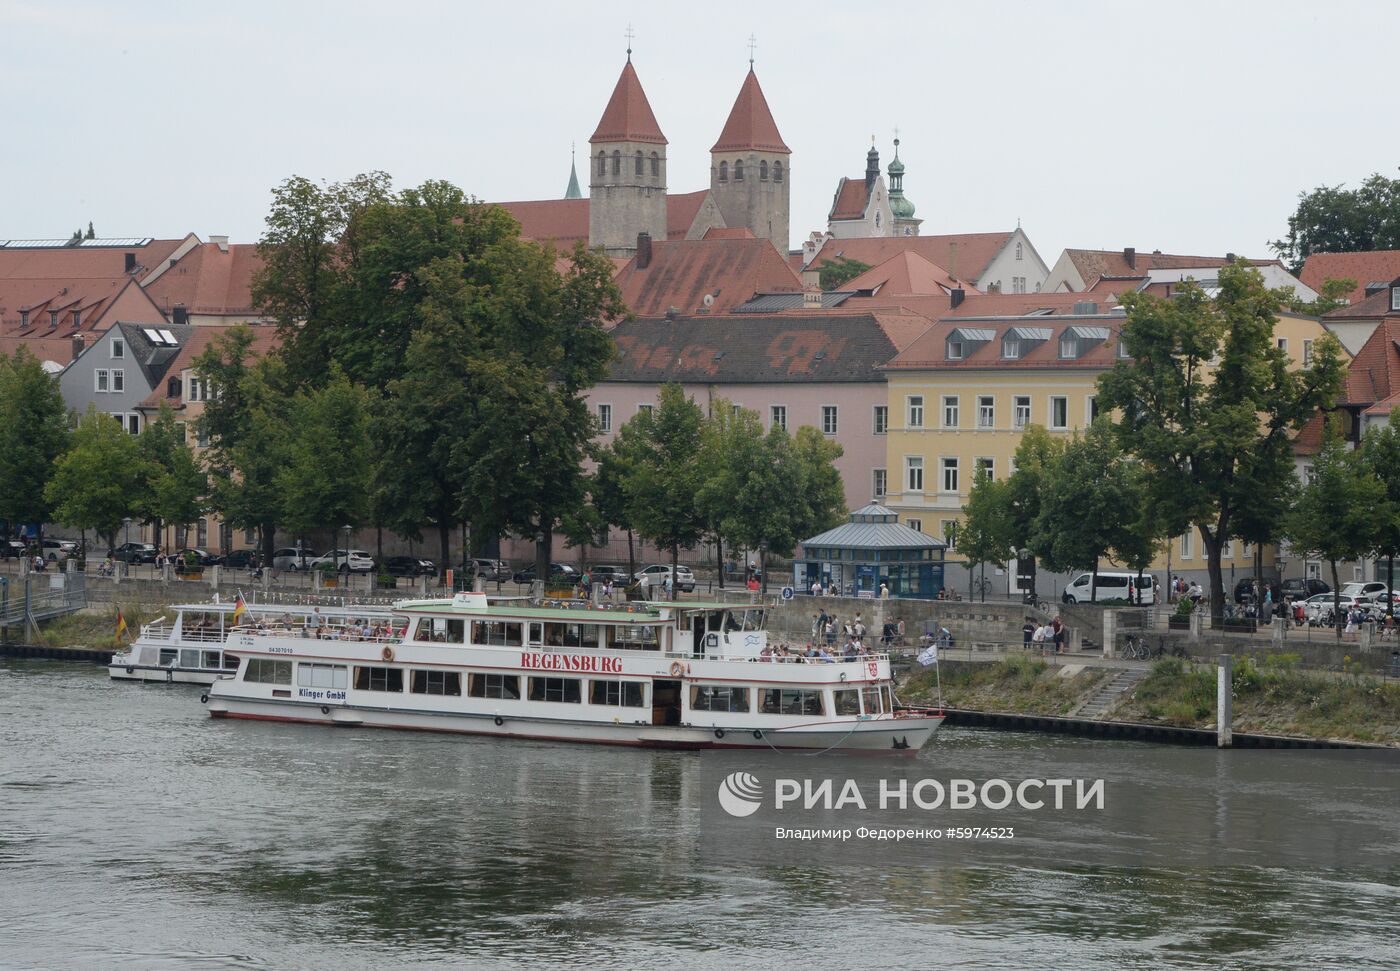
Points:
point(962, 394)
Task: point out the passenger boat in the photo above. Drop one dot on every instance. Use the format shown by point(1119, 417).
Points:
point(666, 675)
point(191, 649)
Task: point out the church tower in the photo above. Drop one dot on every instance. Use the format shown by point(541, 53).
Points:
point(749, 168)
point(627, 184)
point(903, 210)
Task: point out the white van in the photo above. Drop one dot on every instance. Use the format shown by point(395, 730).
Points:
point(1111, 586)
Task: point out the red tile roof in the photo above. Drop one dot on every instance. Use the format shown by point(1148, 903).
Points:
point(683, 272)
point(737, 232)
point(93, 299)
point(750, 124)
point(1376, 305)
point(1094, 263)
point(930, 350)
point(681, 210)
point(264, 340)
point(975, 304)
point(1310, 437)
point(628, 116)
point(851, 199)
point(906, 273)
point(1374, 373)
point(82, 262)
point(566, 220)
point(209, 279)
point(59, 350)
point(974, 250)
point(1369, 266)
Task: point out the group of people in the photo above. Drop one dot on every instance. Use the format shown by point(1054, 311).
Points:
point(1181, 588)
point(1048, 638)
point(816, 652)
point(827, 628)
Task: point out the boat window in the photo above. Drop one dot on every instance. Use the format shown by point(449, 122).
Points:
point(442, 630)
point(634, 638)
point(436, 683)
point(496, 633)
point(845, 701)
point(321, 675)
point(378, 679)
point(168, 655)
point(209, 659)
point(714, 620)
point(874, 699)
point(230, 662)
point(264, 670)
point(715, 697)
point(572, 635)
point(555, 689)
point(505, 686)
point(627, 694)
point(189, 658)
point(789, 701)
point(535, 630)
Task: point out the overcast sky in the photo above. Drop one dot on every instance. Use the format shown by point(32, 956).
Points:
point(1186, 127)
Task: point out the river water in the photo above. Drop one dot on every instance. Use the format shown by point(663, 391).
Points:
point(137, 832)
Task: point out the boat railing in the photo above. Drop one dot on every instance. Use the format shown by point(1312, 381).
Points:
point(779, 658)
point(157, 630)
point(328, 633)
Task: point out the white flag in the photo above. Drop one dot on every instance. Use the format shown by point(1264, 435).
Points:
point(929, 655)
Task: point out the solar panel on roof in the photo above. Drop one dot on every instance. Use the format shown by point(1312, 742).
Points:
point(121, 241)
point(37, 243)
point(169, 338)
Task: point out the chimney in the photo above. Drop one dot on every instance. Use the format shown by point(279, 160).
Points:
point(181, 314)
point(643, 250)
point(1229, 257)
point(957, 293)
point(671, 313)
point(1130, 257)
point(221, 242)
point(953, 260)
point(129, 262)
point(812, 299)
point(78, 345)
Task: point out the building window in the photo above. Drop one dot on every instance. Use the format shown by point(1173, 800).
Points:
point(828, 419)
point(1395, 298)
point(878, 483)
point(955, 349)
point(196, 389)
point(988, 466)
point(638, 170)
point(950, 475)
point(655, 166)
point(605, 418)
point(617, 162)
point(250, 535)
point(763, 171)
point(1307, 353)
point(914, 473)
point(915, 404)
point(738, 170)
point(882, 419)
point(119, 347)
point(986, 411)
point(1018, 251)
point(1186, 546)
point(724, 171)
point(77, 318)
point(1310, 474)
point(1022, 404)
point(201, 533)
point(917, 525)
point(1227, 549)
point(133, 424)
point(950, 411)
point(1122, 348)
point(1059, 412)
point(118, 380)
point(53, 318)
point(1069, 347)
point(777, 416)
point(1283, 344)
point(1010, 348)
point(99, 380)
point(645, 409)
point(777, 171)
point(23, 319)
point(201, 435)
point(1091, 409)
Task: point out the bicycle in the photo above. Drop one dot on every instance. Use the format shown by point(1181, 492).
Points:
point(1135, 649)
point(980, 588)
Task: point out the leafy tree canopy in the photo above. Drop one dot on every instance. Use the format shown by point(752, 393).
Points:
point(1334, 219)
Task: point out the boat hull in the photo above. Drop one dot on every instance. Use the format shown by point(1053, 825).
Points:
point(165, 675)
point(900, 736)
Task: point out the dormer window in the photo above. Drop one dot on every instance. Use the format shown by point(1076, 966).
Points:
point(1011, 348)
point(956, 349)
point(1069, 346)
point(53, 318)
point(1395, 298)
point(77, 318)
point(23, 319)
point(964, 341)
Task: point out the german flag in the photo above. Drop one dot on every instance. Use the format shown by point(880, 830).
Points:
point(240, 608)
point(121, 624)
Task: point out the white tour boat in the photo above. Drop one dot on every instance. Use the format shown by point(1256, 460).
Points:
point(191, 649)
point(668, 675)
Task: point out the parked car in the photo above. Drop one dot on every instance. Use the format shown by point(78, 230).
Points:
point(1110, 586)
point(408, 566)
point(1375, 590)
point(1301, 588)
point(11, 549)
point(560, 572)
point(202, 557)
point(657, 573)
point(58, 550)
point(290, 558)
point(602, 572)
point(242, 560)
point(1324, 615)
point(344, 561)
point(1318, 608)
point(134, 553)
point(490, 570)
point(1244, 590)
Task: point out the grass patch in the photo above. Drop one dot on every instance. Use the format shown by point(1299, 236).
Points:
point(96, 628)
point(1020, 684)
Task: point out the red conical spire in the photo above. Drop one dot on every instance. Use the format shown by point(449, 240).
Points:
point(751, 124)
point(628, 117)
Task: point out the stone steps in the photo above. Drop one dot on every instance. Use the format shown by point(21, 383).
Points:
point(1108, 694)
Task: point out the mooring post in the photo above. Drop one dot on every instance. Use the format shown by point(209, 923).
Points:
point(1224, 713)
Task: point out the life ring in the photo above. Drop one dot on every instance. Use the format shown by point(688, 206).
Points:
point(204, 699)
point(325, 709)
point(844, 676)
point(757, 733)
point(499, 721)
point(719, 733)
point(677, 669)
point(388, 653)
point(130, 669)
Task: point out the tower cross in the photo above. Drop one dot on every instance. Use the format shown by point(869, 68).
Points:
point(753, 42)
point(629, 34)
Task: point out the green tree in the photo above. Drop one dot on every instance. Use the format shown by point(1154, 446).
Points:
point(986, 535)
point(1380, 452)
point(1334, 516)
point(90, 233)
point(33, 434)
point(663, 481)
point(1331, 295)
point(98, 482)
point(176, 487)
point(1205, 389)
point(1140, 535)
point(839, 271)
point(607, 492)
point(1332, 219)
point(820, 503)
point(325, 478)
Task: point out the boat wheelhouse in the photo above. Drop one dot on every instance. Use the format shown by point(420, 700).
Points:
point(672, 675)
point(190, 649)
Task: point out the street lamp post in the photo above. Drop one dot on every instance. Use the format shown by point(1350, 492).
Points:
point(347, 527)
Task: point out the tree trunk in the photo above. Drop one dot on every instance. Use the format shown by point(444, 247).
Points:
point(1390, 584)
point(1094, 583)
point(763, 568)
point(544, 541)
point(719, 558)
point(268, 529)
point(1336, 601)
point(379, 545)
point(631, 558)
point(1217, 578)
point(445, 543)
point(675, 563)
